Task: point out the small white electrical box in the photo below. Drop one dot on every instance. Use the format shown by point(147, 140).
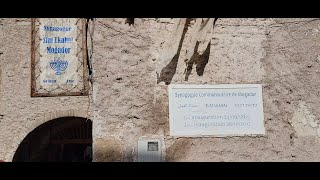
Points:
point(149, 150)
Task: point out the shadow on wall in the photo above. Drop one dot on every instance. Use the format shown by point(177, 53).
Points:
point(129, 21)
point(168, 72)
point(200, 60)
point(107, 150)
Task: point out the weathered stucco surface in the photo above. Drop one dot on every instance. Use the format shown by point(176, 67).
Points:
point(132, 66)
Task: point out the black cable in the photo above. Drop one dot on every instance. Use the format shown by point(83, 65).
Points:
point(88, 58)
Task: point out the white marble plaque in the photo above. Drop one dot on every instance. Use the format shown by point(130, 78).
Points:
point(216, 110)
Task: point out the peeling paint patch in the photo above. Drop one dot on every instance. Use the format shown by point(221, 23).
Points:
point(318, 58)
point(304, 122)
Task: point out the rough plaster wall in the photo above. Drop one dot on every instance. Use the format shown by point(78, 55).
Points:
point(292, 88)
point(281, 54)
point(124, 79)
point(19, 113)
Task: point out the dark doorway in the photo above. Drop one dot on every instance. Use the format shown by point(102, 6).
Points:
point(67, 139)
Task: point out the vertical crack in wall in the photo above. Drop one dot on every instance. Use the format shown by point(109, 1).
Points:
point(167, 73)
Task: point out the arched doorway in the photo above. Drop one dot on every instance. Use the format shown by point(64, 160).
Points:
point(67, 139)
